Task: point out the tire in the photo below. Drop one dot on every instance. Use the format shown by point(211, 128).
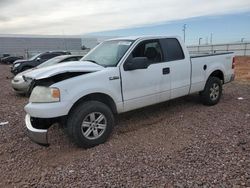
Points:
point(89, 134)
point(212, 93)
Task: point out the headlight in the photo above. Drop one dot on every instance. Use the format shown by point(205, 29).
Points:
point(17, 64)
point(41, 94)
point(27, 79)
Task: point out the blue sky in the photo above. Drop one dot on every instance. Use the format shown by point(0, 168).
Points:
point(228, 20)
point(224, 28)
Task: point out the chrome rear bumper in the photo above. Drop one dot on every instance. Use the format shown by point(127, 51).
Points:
point(37, 135)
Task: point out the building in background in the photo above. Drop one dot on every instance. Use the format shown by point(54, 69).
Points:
point(29, 45)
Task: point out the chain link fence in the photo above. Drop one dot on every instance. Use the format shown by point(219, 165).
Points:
point(240, 49)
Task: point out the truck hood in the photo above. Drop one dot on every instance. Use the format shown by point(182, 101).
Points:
point(74, 66)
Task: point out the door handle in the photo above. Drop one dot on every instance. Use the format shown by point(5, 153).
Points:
point(166, 70)
point(205, 67)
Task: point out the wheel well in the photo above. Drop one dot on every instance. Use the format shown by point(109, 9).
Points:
point(101, 97)
point(219, 74)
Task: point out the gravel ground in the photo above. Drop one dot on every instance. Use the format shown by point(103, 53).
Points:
point(180, 143)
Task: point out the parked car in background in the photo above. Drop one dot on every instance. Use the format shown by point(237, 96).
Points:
point(10, 59)
point(22, 65)
point(22, 81)
point(118, 76)
point(5, 55)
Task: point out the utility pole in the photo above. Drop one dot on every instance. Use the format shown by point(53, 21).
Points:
point(200, 41)
point(242, 39)
point(211, 38)
point(64, 40)
point(184, 32)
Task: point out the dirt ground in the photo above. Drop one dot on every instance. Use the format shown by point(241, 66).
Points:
point(180, 143)
point(243, 68)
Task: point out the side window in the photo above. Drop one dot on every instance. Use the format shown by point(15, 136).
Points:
point(172, 49)
point(70, 59)
point(150, 49)
point(78, 58)
point(48, 56)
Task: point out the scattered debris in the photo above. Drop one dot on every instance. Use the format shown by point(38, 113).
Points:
point(4, 123)
point(242, 142)
point(240, 98)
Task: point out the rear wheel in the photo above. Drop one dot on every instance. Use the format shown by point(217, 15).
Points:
point(212, 92)
point(90, 124)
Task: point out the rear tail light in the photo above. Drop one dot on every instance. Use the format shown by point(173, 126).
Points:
point(233, 63)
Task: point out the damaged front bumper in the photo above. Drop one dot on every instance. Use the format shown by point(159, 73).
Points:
point(37, 135)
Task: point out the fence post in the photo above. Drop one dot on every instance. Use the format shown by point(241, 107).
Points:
point(245, 50)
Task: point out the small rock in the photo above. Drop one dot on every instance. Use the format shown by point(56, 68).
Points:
point(242, 142)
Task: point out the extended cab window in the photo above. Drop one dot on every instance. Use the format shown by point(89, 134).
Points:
point(172, 49)
point(150, 49)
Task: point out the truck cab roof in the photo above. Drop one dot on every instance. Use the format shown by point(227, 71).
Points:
point(144, 37)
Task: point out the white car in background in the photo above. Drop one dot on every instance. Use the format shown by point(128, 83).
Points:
point(21, 82)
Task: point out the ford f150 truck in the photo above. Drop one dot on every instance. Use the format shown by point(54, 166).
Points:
point(117, 76)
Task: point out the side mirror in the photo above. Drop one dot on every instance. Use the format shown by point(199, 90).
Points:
point(136, 63)
point(38, 59)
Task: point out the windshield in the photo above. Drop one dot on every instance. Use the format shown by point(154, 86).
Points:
point(50, 62)
point(34, 57)
point(108, 53)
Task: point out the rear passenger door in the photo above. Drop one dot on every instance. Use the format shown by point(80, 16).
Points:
point(179, 67)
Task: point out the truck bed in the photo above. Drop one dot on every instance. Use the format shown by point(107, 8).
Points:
point(203, 64)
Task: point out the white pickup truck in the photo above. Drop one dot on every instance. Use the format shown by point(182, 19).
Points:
point(117, 76)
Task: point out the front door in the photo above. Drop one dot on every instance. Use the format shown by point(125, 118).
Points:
point(142, 87)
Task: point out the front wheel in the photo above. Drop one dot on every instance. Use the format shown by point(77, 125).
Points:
point(212, 92)
point(90, 124)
